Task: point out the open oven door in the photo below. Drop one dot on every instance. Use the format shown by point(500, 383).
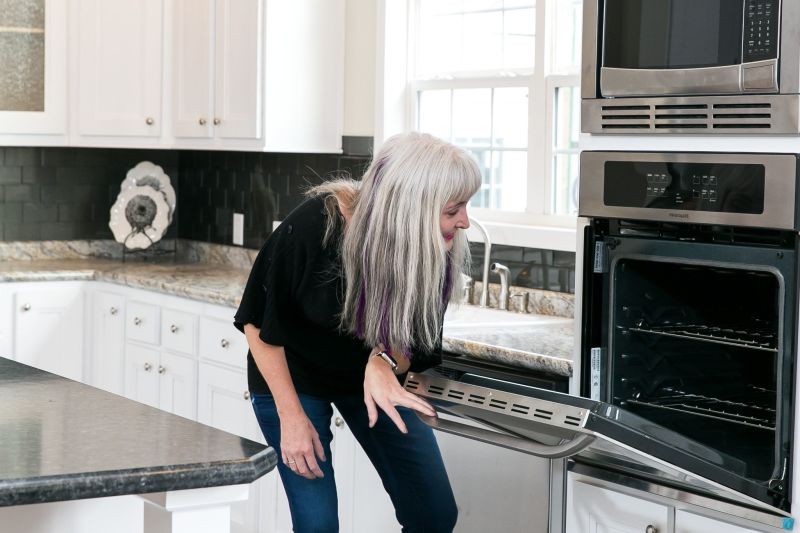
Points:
point(555, 425)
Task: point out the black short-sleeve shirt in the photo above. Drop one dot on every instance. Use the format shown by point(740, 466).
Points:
point(294, 296)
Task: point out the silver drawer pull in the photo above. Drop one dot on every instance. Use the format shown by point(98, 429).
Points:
point(202, 121)
point(224, 343)
point(173, 328)
point(161, 369)
point(147, 367)
point(247, 395)
point(137, 321)
point(113, 310)
point(338, 422)
point(650, 529)
point(26, 307)
point(217, 122)
point(149, 121)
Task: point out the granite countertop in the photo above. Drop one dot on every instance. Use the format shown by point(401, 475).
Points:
point(529, 341)
point(63, 440)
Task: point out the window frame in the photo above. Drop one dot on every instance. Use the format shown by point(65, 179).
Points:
point(537, 226)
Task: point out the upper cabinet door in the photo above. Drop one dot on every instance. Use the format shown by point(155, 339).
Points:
point(33, 82)
point(192, 62)
point(304, 76)
point(236, 82)
point(119, 67)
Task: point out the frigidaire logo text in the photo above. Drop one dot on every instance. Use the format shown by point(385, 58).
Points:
point(679, 215)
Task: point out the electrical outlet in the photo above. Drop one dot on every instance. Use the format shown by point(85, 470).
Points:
point(238, 228)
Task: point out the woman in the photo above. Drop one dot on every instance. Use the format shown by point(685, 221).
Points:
point(345, 297)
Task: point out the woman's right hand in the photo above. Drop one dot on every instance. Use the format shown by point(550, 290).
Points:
point(300, 446)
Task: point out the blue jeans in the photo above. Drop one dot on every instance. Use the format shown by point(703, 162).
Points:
point(410, 466)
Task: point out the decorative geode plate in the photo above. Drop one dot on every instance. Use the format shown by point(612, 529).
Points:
point(139, 217)
point(147, 174)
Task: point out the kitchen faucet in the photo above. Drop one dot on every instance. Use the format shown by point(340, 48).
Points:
point(487, 250)
point(502, 298)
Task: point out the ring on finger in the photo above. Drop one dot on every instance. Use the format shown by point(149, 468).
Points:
point(290, 462)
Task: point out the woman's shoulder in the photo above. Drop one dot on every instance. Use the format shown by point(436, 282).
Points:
point(305, 223)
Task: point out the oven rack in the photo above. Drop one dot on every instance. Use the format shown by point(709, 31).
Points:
point(747, 414)
point(730, 336)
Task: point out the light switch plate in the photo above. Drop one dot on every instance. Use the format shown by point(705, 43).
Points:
point(238, 228)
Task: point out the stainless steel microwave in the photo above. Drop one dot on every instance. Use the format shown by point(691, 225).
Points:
point(691, 66)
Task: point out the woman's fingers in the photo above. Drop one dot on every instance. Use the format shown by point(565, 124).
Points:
point(372, 411)
point(318, 449)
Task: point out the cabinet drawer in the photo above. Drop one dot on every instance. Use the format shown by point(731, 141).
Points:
point(141, 322)
point(222, 342)
point(178, 331)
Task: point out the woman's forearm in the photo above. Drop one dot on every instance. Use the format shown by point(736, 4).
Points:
point(271, 362)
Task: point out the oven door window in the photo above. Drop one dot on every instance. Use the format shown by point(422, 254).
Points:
point(694, 348)
point(672, 34)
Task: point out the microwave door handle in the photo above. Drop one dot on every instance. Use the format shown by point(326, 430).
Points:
point(559, 451)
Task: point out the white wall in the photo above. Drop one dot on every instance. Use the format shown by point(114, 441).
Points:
point(359, 68)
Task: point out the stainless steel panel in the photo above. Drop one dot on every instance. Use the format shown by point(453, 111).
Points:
point(789, 50)
point(665, 82)
point(762, 114)
point(779, 193)
point(589, 50)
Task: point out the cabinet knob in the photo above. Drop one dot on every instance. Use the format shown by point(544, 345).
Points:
point(137, 321)
point(113, 310)
point(26, 307)
point(161, 370)
point(173, 328)
point(338, 421)
point(147, 367)
point(651, 529)
point(247, 395)
point(202, 121)
point(149, 121)
point(224, 343)
point(217, 121)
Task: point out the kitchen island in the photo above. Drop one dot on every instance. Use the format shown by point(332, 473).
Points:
point(67, 442)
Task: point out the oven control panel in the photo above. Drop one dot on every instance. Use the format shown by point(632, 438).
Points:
point(760, 29)
point(717, 187)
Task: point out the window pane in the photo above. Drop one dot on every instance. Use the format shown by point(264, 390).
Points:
point(509, 180)
point(472, 117)
point(566, 36)
point(519, 34)
point(484, 159)
point(434, 113)
point(474, 35)
point(511, 117)
point(567, 118)
point(565, 190)
point(22, 55)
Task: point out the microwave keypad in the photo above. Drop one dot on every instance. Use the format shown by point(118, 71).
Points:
point(760, 29)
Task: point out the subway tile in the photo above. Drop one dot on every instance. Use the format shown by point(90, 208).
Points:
point(21, 193)
point(23, 157)
point(22, 232)
point(10, 175)
point(38, 175)
point(11, 213)
point(33, 213)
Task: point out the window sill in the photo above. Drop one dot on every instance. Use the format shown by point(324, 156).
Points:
point(561, 238)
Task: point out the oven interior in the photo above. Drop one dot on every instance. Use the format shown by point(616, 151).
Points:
point(695, 348)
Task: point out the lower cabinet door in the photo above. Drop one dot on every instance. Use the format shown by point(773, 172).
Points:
point(686, 522)
point(48, 329)
point(141, 374)
point(592, 509)
point(108, 342)
point(177, 383)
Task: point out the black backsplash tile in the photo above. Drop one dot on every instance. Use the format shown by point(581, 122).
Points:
point(66, 194)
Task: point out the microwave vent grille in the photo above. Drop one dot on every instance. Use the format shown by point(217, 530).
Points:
point(667, 118)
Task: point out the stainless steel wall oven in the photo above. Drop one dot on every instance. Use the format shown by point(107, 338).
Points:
point(710, 66)
point(688, 342)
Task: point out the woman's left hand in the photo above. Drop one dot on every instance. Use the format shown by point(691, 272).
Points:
point(381, 389)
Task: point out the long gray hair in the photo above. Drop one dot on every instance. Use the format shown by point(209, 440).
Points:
point(398, 274)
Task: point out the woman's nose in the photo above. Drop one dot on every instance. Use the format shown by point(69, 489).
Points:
point(464, 222)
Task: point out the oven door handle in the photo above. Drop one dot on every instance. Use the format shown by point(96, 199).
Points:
point(559, 451)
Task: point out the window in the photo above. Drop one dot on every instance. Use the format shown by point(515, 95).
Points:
point(500, 78)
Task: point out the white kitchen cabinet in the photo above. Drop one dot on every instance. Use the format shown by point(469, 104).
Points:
point(34, 85)
point(117, 65)
point(49, 326)
point(160, 379)
point(108, 341)
point(592, 509)
point(216, 91)
point(686, 522)
point(304, 75)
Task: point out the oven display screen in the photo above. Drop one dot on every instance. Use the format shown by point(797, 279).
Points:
point(717, 187)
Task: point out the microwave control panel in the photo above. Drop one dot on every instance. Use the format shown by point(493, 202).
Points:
point(761, 23)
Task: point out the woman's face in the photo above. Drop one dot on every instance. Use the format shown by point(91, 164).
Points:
point(453, 218)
